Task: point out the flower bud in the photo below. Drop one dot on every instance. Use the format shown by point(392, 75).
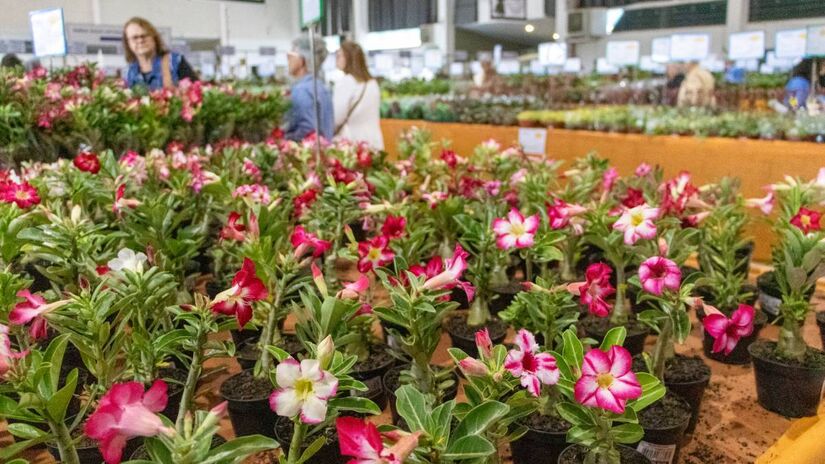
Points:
point(663, 247)
point(318, 277)
point(324, 351)
point(483, 342)
point(473, 367)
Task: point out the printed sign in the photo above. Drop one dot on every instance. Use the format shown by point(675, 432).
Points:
point(533, 140)
point(48, 32)
point(746, 45)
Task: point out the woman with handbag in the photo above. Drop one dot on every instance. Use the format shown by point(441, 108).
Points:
point(357, 99)
point(150, 63)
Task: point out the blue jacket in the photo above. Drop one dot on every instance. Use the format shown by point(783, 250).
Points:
point(154, 80)
point(797, 88)
point(301, 116)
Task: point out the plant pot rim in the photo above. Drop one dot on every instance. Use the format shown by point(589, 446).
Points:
point(617, 446)
point(236, 400)
point(774, 362)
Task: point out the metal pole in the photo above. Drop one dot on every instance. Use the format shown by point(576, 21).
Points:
point(318, 166)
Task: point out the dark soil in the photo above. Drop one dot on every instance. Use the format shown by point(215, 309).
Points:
point(283, 430)
point(392, 382)
point(669, 412)
point(600, 326)
point(457, 326)
point(545, 423)
point(576, 455)
point(814, 359)
point(245, 387)
point(503, 295)
point(378, 358)
point(175, 379)
point(684, 369)
point(249, 350)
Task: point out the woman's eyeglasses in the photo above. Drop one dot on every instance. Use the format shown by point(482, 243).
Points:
point(139, 37)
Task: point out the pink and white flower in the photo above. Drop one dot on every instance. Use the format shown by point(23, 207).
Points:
point(607, 380)
point(125, 412)
point(303, 389)
point(22, 194)
point(561, 214)
point(257, 193)
point(374, 253)
point(360, 439)
point(765, 204)
point(304, 242)
point(33, 309)
point(246, 289)
point(596, 288)
point(657, 274)
point(531, 366)
point(121, 203)
point(7, 356)
point(232, 230)
point(515, 231)
point(353, 290)
point(727, 331)
point(434, 198)
point(609, 178)
point(643, 169)
point(637, 223)
point(450, 277)
point(483, 342)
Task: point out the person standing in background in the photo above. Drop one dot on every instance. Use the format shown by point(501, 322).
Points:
point(357, 98)
point(11, 61)
point(697, 88)
point(151, 64)
point(301, 115)
point(798, 87)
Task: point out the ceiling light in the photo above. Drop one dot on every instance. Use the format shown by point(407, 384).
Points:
point(529, 28)
point(556, 36)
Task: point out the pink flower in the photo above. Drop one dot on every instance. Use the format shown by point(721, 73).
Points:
point(124, 412)
point(765, 204)
point(449, 157)
point(302, 389)
point(256, 192)
point(515, 231)
point(532, 367)
point(21, 194)
point(87, 161)
point(360, 439)
point(6, 354)
point(609, 178)
point(252, 170)
point(353, 290)
point(394, 226)
point(232, 230)
point(493, 187)
point(303, 201)
point(434, 198)
point(374, 253)
point(637, 223)
point(561, 214)
point(449, 277)
point(658, 274)
point(483, 342)
point(807, 220)
point(473, 367)
point(121, 202)
point(237, 300)
point(304, 242)
point(725, 331)
point(643, 170)
point(32, 309)
point(607, 381)
point(596, 288)
point(434, 267)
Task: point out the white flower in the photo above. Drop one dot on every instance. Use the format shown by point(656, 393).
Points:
point(128, 260)
point(304, 389)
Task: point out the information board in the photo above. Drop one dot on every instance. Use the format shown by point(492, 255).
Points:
point(573, 65)
point(746, 45)
point(623, 52)
point(689, 47)
point(791, 43)
point(552, 53)
point(660, 50)
point(48, 32)
point(815, 42)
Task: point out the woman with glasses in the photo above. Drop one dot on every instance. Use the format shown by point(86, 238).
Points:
point(151, 64)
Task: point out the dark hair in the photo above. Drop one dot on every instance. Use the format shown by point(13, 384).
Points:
point(160, 47)
point(356, 62)
point(10, 61)
point(803, 69)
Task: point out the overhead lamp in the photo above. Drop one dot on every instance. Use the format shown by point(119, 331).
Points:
point(528, 28)
point(556, 36)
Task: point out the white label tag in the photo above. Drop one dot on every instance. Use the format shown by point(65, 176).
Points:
point(658, 454)
point(533, 141)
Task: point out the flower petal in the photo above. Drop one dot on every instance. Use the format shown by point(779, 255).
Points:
point(285, 402)
point(314, 410)
point(287, 372)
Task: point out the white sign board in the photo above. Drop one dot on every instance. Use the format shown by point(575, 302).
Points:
point(791, 43)
point(537, 68)
point(552, 53)
point(815, 43)
point(778, 64)
point(603, 67)
point(623, 52)
point(533, 141)
point(713, 63)
point(573, 65)
point(660, 50)
point(456, 69)
point(48, 32)
point(746, 45)
point(310, 11)
point(433, 59)
point(646, 63)
point(509, 67)
point(384, 61)
point(689, 47)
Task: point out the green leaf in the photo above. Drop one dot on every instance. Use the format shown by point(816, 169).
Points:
point(57, 404)
point(614, 336)
point(240, 448)
point(54, 355)
point(313, 448)
point(8, 451)
point(412, 406)
point(480, 417)
point(572, 350)
point(627, 433)
point(681, 325)
point(575, 414)
point(25, 431)
point(652, 391)
point(356, 404)
point(469, 447)
point(439, 423)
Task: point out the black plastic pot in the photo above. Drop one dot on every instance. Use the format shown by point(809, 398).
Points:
point(634, 342)
point(249, 416)
point(391, 383)
point(379, 371)
point(820, 322)
point(663, 444)
point(576, 454)
point(789, 390)
point(330, 453)
point(740, 354)
point(175, 390)
point(466, 342)
point(538, 446)
point(692, 392)
point(89, 453)
point(503, 296)
point(241, 335)
point(770, 297)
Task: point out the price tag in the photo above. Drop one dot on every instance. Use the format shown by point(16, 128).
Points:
point(533, 140)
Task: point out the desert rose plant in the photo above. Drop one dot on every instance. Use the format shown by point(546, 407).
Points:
point(544, 309)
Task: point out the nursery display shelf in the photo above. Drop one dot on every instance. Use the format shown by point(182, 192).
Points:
point(756, 162)
point(732, 428)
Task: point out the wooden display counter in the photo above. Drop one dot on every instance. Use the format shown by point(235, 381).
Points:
point(756, 162)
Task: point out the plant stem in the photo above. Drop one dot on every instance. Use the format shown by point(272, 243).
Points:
point(567, 274)
point(528, 264)
point(663, 349)
point(65, 444)
point(298, 430)
point(191, 379)
point(479, 312)
point(791, 345)
point(270, 329)
point(619, 316)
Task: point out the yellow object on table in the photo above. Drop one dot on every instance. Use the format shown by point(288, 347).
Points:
point(802, 443)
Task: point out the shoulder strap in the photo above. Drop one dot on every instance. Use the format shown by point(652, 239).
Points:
point(352, 108)
point(166, 71)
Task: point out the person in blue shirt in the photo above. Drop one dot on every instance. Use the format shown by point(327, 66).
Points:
point(301, 115)
point(151, 64)
point(799, 86)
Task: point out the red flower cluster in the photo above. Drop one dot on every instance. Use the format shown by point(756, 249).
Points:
point(87, 161)
point(22, 194)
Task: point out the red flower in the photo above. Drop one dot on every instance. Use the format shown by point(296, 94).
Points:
point(22, 194)
point(246, 288)
point(87, 161)
point(596, 289)
point(449, 157)
point(807, 220)
point(363, 156)
point(374, 253)
point(633, 198)
point(303, 201)
point(232, 230)
point(304, 241)
point(394, 226)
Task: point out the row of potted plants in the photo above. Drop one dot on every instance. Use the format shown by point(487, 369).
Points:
point(44, 115)
point(121, 272)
